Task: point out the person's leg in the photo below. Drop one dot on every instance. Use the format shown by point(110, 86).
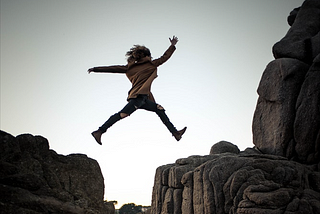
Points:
point(126, 111)
point(112, 120)
point(160, 111)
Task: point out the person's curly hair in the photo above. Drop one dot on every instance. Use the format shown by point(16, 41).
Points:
point(137, 52)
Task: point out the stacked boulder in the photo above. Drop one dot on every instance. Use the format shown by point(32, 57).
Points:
point(35, 179)
point(287, 117)
point(280, 175)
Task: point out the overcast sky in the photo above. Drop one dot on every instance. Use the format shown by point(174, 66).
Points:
point(208, 85)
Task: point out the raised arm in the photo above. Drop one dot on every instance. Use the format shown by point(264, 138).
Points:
point(109, 69)
point(168, 53)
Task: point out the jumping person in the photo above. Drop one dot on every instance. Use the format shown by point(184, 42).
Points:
point(141, 70)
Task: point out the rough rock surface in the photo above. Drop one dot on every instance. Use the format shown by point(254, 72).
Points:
point(287, 117)
point(281, 174)
point(247, 182)
point(35, 179)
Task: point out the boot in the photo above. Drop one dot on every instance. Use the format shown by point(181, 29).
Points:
point(178, 134)
point(112, 120)
point(97, 135)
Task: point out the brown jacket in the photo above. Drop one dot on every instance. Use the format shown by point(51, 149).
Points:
point(141, 74)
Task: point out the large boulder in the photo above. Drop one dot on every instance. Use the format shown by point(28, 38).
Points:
point(286, 121)
point(35, 179)
point(302, 41)
point(274, 116)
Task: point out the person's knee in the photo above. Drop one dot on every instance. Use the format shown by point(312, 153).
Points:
point(159, 107)
point(123, 115)
point(160, 111)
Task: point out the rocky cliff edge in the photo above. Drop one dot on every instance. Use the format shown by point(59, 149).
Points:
point(35, 179)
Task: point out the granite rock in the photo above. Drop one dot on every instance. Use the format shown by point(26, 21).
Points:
point(35, 179)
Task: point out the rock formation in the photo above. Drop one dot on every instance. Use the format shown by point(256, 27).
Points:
point(280, 175)
point(236, 182)
point(287, 117)
point(35, 179)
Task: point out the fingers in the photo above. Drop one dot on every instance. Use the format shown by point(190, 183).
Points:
point(174, 40)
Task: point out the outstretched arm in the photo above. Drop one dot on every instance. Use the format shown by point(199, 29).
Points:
point(109, 69)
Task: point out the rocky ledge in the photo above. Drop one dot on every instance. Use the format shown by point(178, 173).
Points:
point(35, 179)
point(230, 181)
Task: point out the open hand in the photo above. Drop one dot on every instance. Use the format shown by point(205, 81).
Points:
point(90, 70)
point(174, 40)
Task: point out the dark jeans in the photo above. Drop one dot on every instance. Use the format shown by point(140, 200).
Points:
point(141, 102)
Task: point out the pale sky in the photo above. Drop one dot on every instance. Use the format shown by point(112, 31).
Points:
point(208, 85)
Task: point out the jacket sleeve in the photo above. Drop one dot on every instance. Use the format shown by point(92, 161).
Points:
point(165, 56)
point(111, 69)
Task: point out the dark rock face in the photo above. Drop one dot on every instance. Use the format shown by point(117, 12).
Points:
point(280, 175)
point(287, 117)
point(273, 122)
point(246, 182)
point(307, 120)
point(35, 179)
point(302, 39)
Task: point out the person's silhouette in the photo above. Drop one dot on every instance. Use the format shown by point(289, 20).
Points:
point(141, 70)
